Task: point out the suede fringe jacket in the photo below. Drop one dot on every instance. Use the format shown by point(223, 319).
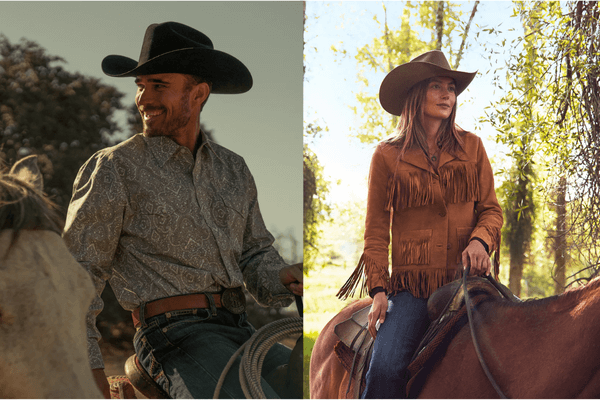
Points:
point(433, 215)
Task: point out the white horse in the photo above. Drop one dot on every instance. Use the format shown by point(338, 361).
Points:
point(44, 296)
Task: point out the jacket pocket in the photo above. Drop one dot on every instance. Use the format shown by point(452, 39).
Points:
point(462, 234)
point(414, 247)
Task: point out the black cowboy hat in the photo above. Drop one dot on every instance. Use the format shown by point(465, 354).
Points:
point(398, 82)
point(172, 47)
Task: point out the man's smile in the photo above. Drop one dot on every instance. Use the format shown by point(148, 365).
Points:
point(150, 114)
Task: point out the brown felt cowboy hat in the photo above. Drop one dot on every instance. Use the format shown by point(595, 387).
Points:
point(172, 47)
point(398, 82)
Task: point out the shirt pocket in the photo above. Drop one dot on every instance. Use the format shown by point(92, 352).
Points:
point(414, 247)
point(462, 236)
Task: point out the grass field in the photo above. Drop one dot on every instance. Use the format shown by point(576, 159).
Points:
point(320, 306)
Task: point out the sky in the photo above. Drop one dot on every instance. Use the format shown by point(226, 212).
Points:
point(331, 81)
point(263, 125)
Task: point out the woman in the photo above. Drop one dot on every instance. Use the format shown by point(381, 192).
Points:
point(432, 185)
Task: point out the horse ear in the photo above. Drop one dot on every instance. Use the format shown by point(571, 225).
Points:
point(27, 170)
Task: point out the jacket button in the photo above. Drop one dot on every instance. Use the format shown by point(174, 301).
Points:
point(449, 246)
point(443, 214)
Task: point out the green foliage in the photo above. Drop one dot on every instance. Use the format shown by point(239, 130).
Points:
point(316, 188)
point(309, 343)
point(417, 34)
point(547, 118)
point(63, 117)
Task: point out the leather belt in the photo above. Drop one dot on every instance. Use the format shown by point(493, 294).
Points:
point(232, 300)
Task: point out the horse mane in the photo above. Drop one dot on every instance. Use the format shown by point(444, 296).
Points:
point(570, 298)
point(22, 206)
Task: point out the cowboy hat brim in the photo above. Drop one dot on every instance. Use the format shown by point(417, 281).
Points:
point(227, 74)
point(397, 84)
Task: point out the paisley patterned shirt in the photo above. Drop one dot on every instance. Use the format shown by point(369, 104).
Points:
point(155, 222)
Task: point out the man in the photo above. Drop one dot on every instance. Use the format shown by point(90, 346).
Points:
point(171, 220)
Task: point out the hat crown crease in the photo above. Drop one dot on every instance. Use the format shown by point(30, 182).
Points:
point(164, 38)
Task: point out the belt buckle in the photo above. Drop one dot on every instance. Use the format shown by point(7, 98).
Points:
point(234, 300)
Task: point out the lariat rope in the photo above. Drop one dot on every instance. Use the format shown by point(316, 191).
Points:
point(255, 350)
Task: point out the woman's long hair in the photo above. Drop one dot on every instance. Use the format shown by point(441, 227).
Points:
point(410, 132)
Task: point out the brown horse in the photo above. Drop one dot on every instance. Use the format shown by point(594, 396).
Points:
point(44, 296)
point(547, 348)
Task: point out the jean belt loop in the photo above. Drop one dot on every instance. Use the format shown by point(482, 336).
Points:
point(142, 316)
point(211, 301)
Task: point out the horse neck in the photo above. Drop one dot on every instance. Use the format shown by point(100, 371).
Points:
point(574, 310)
point(581, 301)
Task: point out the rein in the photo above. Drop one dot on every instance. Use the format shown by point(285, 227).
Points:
point(472, 327)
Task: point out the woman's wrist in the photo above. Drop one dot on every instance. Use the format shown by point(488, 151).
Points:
point(375, 290)
point(485, 245)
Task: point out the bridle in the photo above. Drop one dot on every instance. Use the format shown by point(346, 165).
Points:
point(472, 327)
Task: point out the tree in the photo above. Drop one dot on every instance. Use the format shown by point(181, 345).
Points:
point(551, 103)
point(63, 117)
point(442, 20)
point(316, 208)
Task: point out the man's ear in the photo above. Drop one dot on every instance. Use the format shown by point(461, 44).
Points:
point(201, 93)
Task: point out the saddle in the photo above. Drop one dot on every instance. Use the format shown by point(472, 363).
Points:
point(355, 347)
point(446, 309)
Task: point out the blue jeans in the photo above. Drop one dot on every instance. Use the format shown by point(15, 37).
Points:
point(397, 339)
point(186, 351)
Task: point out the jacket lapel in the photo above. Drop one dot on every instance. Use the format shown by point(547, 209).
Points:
point(447, 157)
point(417, 158)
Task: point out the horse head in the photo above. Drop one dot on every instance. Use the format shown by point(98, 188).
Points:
point(44, 296)
point(23, 203)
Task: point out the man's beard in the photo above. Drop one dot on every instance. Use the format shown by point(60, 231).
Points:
point(172, 126)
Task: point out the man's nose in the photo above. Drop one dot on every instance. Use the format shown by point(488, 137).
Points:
point(143, 97)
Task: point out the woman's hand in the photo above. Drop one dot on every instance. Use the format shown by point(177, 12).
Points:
point(476, 256)
point(377, 313)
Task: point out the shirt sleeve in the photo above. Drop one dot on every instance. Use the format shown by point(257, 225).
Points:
point(260, 262)
point(489, 213)
point(92, 231)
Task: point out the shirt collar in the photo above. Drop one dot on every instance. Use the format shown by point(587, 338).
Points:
point(163, 147)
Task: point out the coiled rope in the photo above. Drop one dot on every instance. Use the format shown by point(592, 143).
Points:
point(255, 350)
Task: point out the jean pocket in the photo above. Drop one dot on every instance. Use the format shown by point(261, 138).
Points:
point(177, 323)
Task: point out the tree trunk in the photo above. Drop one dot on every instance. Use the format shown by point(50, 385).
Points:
point(520, 218)
point(463, 43)
point(560, 238)
point(439, 25)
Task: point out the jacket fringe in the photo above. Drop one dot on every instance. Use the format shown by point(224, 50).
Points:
point(421, 282)
point(414, 189)
point(366, 267)
point(414, 252)
point(496, 238)
point(461, 182)
point(406, 190)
